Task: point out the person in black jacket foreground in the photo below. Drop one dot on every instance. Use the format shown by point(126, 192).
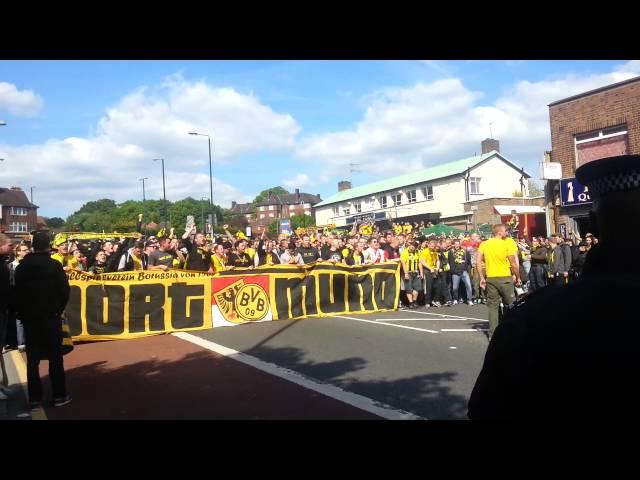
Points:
point(568, 352)
point(41, 294)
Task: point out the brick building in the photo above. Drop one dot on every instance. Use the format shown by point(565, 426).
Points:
point(530, 211)
point(242, 210)
point(276, 206)
point(599, 123)
point(18, 215)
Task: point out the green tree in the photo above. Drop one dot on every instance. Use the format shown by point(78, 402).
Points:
point(106, 215)
point(265, 193)
point(534, 189)
point(54, 222)
point(274, 227)
point(303, 221)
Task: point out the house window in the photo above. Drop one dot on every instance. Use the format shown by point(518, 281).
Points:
point(21, 211)
point(270, 207)
point(397, 199)
point(346, 210)
point(607, 142)
point(358, 206)
point(336, 211)
point(262, 215)
point(428, 192)
point(411, 195)
point(474, 185)
point(271, 215)
point(18, 227)
point(370, 205)
point(383, 202)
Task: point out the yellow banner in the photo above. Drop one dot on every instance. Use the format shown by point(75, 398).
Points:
point(322, 289)
point(136, 304)
point(140, 303)
point(68, 236)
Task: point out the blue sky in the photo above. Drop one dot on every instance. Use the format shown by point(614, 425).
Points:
point(82, 130)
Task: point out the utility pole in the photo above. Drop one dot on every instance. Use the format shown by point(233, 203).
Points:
point(143, 192)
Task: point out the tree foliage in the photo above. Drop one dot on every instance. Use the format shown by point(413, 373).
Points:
point(54, 222)
point(106, 215)
point(534, 189)
point(303, 221)
point(265, 193)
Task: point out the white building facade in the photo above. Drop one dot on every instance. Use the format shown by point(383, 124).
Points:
point(436, 194)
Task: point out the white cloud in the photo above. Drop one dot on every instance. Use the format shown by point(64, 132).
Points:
point(21, 103)
point(431, 123)
point(299, 181)
point(151, 123)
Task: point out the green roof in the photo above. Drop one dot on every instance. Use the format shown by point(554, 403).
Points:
point(457, 167)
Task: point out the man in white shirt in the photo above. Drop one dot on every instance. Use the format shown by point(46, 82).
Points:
point(373, 254)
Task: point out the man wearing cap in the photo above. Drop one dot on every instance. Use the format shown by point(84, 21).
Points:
point(569, 352)
point(41, 293)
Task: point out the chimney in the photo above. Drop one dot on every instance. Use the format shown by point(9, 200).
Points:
point(489, 144)
point(16, 188)
point(344, 185)
point(297, 194)
point(233, 204)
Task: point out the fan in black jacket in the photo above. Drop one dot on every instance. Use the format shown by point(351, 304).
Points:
point(41, 294)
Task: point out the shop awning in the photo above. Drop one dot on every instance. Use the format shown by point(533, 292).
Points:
point(520, 209)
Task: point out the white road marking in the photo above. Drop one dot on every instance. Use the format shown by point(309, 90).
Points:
point(363, 403)
point(441, 315)
point(375, 322)
point(453, 348)
point(464, 330)
point(422, 320)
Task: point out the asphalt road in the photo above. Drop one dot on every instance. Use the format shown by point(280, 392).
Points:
point(421, 361)
point(404, 364)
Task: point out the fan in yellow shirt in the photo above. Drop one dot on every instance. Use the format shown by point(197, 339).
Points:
point(499, 257)
point(62, 256)
point(218, 260)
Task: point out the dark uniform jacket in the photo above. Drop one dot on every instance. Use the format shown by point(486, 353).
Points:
point(539, 256)
point(5, 287)
point(41, 289)
point(556, 261)
point(566, 353)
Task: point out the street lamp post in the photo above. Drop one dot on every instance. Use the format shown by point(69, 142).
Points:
point(210, 173)
point(164, 192)
point(143, 193)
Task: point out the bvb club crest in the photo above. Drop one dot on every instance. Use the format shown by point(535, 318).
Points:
point(241, 302)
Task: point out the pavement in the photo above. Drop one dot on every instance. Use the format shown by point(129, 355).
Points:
point(408, 364)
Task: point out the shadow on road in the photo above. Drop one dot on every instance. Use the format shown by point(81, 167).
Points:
point(204, 385)
point(198, 385)
point(428, 395)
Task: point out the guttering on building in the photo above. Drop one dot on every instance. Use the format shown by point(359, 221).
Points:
point(436, 194)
